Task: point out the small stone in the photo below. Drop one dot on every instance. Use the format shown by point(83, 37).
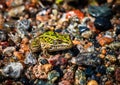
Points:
point(83, 29)
point(1, 21)
point(117, 74)
point(13, 3)
point(24, 80)
point(108, 83)
point(118, 29)
point(92, 82)
point(16, 11)
point(104, 40)
point(101, 1)
point(64, 82)
point(77, 13)
point(18, 55)
point(23, 24)
point(101, 69)
point(102, 24)
point(89, 71)
point(13, 70)
point(3, 35)
point(100, 11)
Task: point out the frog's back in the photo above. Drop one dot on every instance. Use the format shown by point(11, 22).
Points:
point(55, 41)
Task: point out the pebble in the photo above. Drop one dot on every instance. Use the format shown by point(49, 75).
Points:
point(100, 11)
point(102, 24)
point(118, 29)
point(92, 82)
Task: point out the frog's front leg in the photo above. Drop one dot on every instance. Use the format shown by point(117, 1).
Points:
point(45, 50)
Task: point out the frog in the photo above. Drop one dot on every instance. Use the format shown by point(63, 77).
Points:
point(51, 41)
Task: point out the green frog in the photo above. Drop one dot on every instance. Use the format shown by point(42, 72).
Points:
point(50, 41)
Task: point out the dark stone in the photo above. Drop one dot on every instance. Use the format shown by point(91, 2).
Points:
point(101, 1)
point(24, 81)
point(94, 77)
point(74, 51)
point(43, 61)
point(58, 30)
point(2, 57)
point(102, 24)
point(100, 11)
point(101, 69)
point(118, 29)
point(58, 69)
point(89, 71)
point(83, 29)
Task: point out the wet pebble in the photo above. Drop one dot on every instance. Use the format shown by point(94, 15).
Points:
point(83, 29)
point(101, 69)
point(102, 24)
point(117, 74)
point(24, 80)
point(100, 11)
point(118, 29)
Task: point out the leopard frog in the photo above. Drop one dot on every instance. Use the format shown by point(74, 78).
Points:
point(51, 41)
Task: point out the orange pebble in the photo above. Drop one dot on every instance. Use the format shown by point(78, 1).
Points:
point(34, 1)
point(103, 51)
point(102, 56)
point(92, 82)
point(108, 82)
point(88, 45)
point(25, 47)
point(98, 74)
point(19, 55)
point(42, 18)
point(77, 12)
point(76, 42)
point(47, 67)
point(25, 40)
point(105, 40)
point(9, 2)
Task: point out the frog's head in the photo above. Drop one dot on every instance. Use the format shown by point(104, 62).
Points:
point(35, 45)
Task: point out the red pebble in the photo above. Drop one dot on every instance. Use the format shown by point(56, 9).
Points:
point(77, 13)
